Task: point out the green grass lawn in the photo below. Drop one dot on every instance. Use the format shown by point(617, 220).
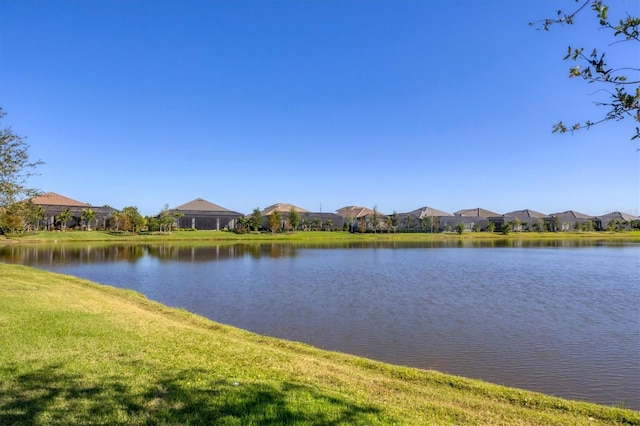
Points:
point(313, 236)
point(75, 352)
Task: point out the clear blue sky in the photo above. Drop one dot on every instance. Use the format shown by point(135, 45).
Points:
point(387, 103)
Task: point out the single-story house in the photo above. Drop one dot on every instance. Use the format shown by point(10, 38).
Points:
point(54, 204)
point(283, 210)
point(416, 218)
point(567, 220)
point(469, 218)
point(353, 212)
point(308, 220)
point(328, 221)
point(523, 220)
point(204, 215)
point(616, 219)
point(361, 218)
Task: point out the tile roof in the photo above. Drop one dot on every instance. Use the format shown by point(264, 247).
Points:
point(200, 205)
point(477, 212)
point(282, 208)
point(571, 214)
point(617, 215)
point(426, 212)
point(526, 213)
point(53, 199)
point(354, 211)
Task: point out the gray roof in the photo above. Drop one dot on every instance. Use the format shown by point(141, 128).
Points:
point(526, 214)
point(477, 212)
point(617, 215)
point(570, 214)
point(426, 212)
point(200, 205)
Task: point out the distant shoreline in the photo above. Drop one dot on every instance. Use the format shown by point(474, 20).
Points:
point(308, 237)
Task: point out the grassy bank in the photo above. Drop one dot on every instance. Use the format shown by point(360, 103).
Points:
point(74, 352)
point(314, 236)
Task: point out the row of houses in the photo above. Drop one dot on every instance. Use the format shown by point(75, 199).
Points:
point(204, 215)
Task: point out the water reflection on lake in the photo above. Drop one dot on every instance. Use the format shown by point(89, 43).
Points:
point(560, 317)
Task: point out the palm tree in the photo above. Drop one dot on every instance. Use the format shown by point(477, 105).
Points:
point(174, 221)
point(517, 224)
point(117, 220)
point(426, 222)
point(32, 215)
point(408, 220)
point(255, 220)
point(63, 218)
point(88, 216)
point(389, 224)
point(375, 219)
point(350, 223)
point(393, 221)
point(538, 225)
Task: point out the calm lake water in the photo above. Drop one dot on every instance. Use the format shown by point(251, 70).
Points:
point(549, 317)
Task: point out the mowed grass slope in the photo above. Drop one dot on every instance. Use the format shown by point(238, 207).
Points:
point(75, 352)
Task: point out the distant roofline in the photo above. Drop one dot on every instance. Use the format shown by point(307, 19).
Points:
point(54, 199)
point(201, 205)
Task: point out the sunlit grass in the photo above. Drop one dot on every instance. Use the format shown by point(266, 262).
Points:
point(74, 352)
point(312, 236)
